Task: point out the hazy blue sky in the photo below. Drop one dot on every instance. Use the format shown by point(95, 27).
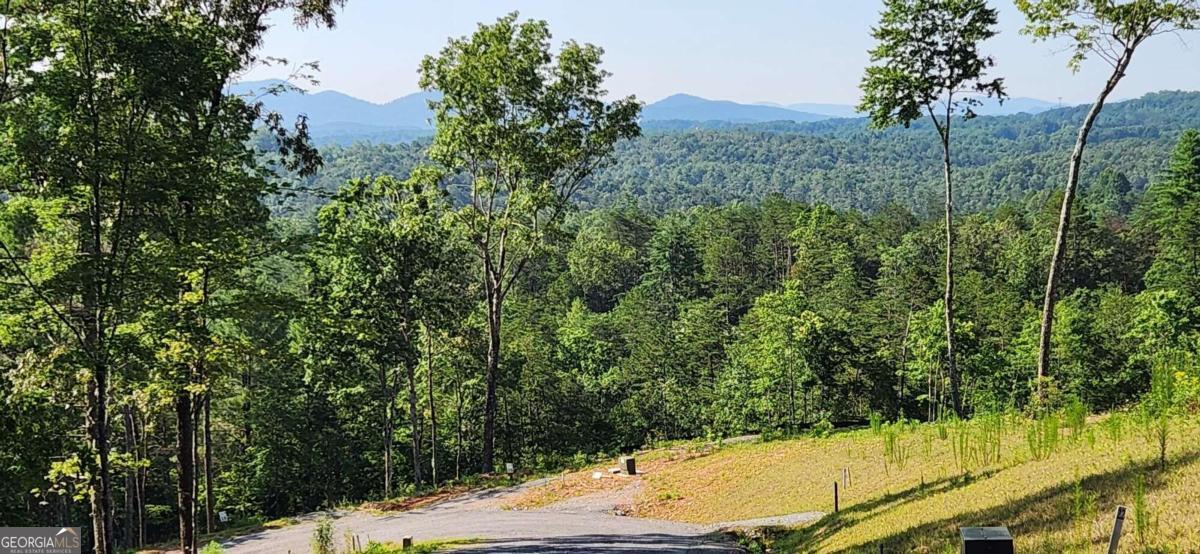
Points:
point(752, 50)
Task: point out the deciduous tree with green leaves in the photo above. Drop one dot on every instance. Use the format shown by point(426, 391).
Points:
point(779, 345)
point(121, 120)
point(927, 63)
point(376, 272)
point(525, 126)
point(87, 151)
point(1112, 31)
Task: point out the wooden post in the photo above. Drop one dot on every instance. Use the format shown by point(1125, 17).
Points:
point(845, 478)
point(406, 542)
point(1116, 534)
point(835, 497)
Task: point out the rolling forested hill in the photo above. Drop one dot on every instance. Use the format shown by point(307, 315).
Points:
point(840, 162)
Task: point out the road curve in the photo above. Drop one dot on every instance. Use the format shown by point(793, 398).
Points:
point(479, 516)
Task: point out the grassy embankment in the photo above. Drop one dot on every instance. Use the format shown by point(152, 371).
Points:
point(1061, 499)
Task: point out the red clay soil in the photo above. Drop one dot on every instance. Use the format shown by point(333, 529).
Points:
point(414, 502)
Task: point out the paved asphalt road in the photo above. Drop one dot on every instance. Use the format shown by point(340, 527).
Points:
point(478, 516)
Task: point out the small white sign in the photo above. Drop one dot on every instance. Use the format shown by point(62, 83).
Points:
point(508, 468)
point(223, 516)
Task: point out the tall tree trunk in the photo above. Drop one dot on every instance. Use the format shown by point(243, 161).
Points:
point(130, 537)
point(414, 422)
point(246, 430)
point(807, 404)
point(184, 445)
point(504, 412)
point(791, 403)
point(208, 464)
point(1064, 217)
point(929, 396)
point(142, 474)
point(433, 428)
point(197, 404)
point(791, 260)
point(904, 360)
point(97, 386)
point(948, 299)
point(458, 427)
point(495, 305)
point(388, 431)
point(101, 481)
point(94, 305)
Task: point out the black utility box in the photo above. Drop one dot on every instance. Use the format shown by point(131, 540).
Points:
point(628, 465)
point(986, 540)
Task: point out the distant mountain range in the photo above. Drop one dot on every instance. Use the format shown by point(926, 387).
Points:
point(827, 110)
point(989, 106)
point(685, 107)
point(340, 118)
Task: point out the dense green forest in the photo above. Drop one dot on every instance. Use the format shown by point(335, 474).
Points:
point(843, 163)
point(201, 312)
point(633, 327)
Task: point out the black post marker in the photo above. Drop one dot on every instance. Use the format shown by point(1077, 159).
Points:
point(1116, 534)
point(835, 497)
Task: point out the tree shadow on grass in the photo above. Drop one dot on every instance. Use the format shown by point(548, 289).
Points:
point(830, 524)
point(1040, 513)
point(889, 501)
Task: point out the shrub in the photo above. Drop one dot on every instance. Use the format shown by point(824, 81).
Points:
point(213, 547)
point(1046, 397)
point(1076, 418)
point(1144, 521)
point(322, 538)
point(1114, 427)
point(961, 445)
point(1158, 407)
point(1156, 427)
point(160, 513)
point(1083, 511)
point(1187, 382)
point(894, 452)
point(1042, 436)
point(977, 443)
point(822, 429)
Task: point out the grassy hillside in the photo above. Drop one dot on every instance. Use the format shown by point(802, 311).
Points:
point(1060, 501)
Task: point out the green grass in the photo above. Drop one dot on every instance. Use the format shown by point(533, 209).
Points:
point(1057, 495)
